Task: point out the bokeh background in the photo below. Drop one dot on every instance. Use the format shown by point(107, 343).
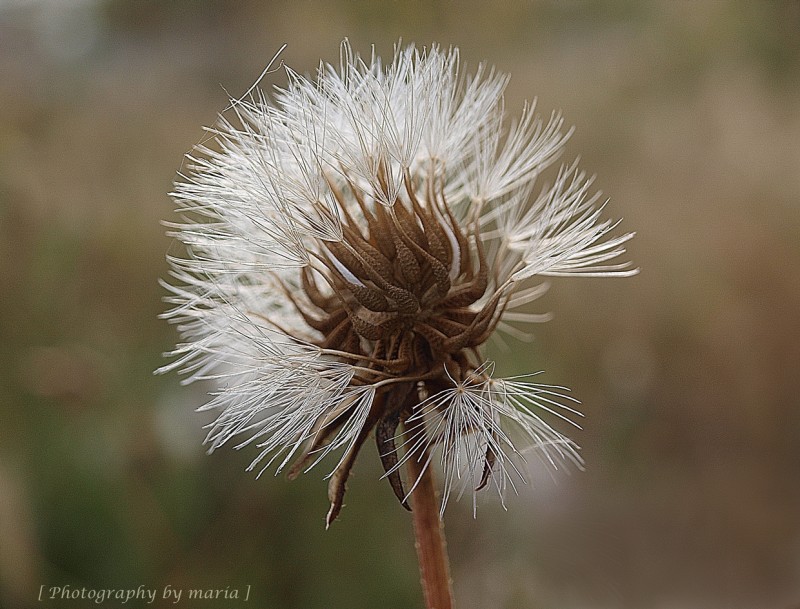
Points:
point(689, 112)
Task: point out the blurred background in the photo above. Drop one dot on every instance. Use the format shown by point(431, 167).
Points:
point(689, 113)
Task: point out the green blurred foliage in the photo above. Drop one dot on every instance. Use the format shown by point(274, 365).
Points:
point(690, 115)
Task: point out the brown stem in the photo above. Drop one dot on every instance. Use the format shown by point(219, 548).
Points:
point(429, 533)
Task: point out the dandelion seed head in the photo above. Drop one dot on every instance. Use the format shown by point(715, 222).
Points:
point(352, 242)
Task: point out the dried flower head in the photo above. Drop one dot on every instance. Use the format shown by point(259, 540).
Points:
point(352, 243)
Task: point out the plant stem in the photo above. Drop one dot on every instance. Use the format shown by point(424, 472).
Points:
point(434, 566)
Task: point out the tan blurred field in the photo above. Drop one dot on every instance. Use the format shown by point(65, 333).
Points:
point(689, 114)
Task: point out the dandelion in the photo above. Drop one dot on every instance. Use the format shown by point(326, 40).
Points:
point(351, 244)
